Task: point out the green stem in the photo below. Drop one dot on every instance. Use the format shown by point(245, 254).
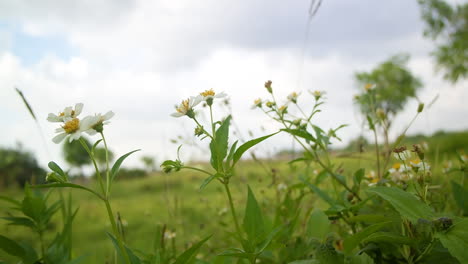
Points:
point(233, 210)
point(115, 230)
point(108, 183)
point(377, 153)
point(206, 132)
point(98, 173)
point(212, 124)
point(196, 169)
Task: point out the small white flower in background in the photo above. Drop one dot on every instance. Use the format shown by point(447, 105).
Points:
point(73, 129)
point(403, 155)
point(372, 178)
point(209, 95)
point(223, 211)
point(317, 94)
point(169, 235)
point(369, 86)
point(257, 103)
point(67, 114)
point(282, 187)
point(99, 121)
point(186, 107)
point(418, 164)
point(397, 168)
point(293, 97)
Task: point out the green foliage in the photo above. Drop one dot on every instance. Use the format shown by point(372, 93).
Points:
point(18, 166)
point(75, 154)
point(456, 240)
point(448, 25)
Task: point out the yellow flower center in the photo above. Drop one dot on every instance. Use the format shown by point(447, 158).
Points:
point(61, 114)
point(396, 166)
point(209, 92)
point(415, 162)
point(317, 93)
point(257, 101)
point(71, 126)
point(368, 86)
point(184, 107)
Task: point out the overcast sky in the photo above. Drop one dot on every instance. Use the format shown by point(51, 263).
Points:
point(140, 58)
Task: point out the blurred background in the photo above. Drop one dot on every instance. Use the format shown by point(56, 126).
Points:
point(140, 58)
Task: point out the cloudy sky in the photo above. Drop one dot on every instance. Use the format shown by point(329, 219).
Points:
point(139, 58)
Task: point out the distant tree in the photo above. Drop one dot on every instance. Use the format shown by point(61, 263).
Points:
point(100, 154)
point(75, 154)
point(149, 162)
point(447, 25)
point(393, 84)
point(18, 166)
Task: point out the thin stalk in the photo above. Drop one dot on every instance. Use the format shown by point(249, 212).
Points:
point(108, 183)
point(98, 173)
point(233, 210)
point(377, 153)
point(198, 123)
point(196, 169)
point(116, 231)
point(212, 124)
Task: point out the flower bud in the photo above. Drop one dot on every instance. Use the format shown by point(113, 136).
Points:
point(54, 177)
point(268, 86)
point(420, 107)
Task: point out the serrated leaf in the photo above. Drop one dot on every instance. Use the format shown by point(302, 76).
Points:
point(405, 203)
point(253, 223)
point(318, 225)
point(358, 176)
point(353, 241)
point(118, 163)
point(231, 152)
point(190, 253)
point(246, 146)
point(219, 145)
point(456, 240)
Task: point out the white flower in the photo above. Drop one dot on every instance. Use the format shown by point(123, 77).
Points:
point(282, 187)
point(186, 107)
point(98, 122)
point(317, 94)
point(293, 97)
point(418, 164)
point(209, 95)
point(403, 155)
point(257, 103)
point(67, 114)
point(73, 129)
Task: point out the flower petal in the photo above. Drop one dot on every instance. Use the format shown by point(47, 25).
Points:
point(78, 108)
point(58, 138)
point(177, 114)
point(54, 118)
point(108, 115)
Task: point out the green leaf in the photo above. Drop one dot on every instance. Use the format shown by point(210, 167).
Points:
point(10, 200)
point(231, 152)
point(20, 221)
point(65, 184)
point(24, 252)
point(302, 133)
point(358, 176)
point(405, 203)
point(456, 240)
point(95, 145)
point(353, 241)
point(219, 145)
point(56, 168)
point(388, 238)
point(190, 253)
point(253, 219)
point(360, 259)
point(207, 181)
point(118, 163)
point(247, 145)
point(460, 194)
point(318, 225)
point(305, 261)
point(133, 258)
point(320, 193)
point(11, 247)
